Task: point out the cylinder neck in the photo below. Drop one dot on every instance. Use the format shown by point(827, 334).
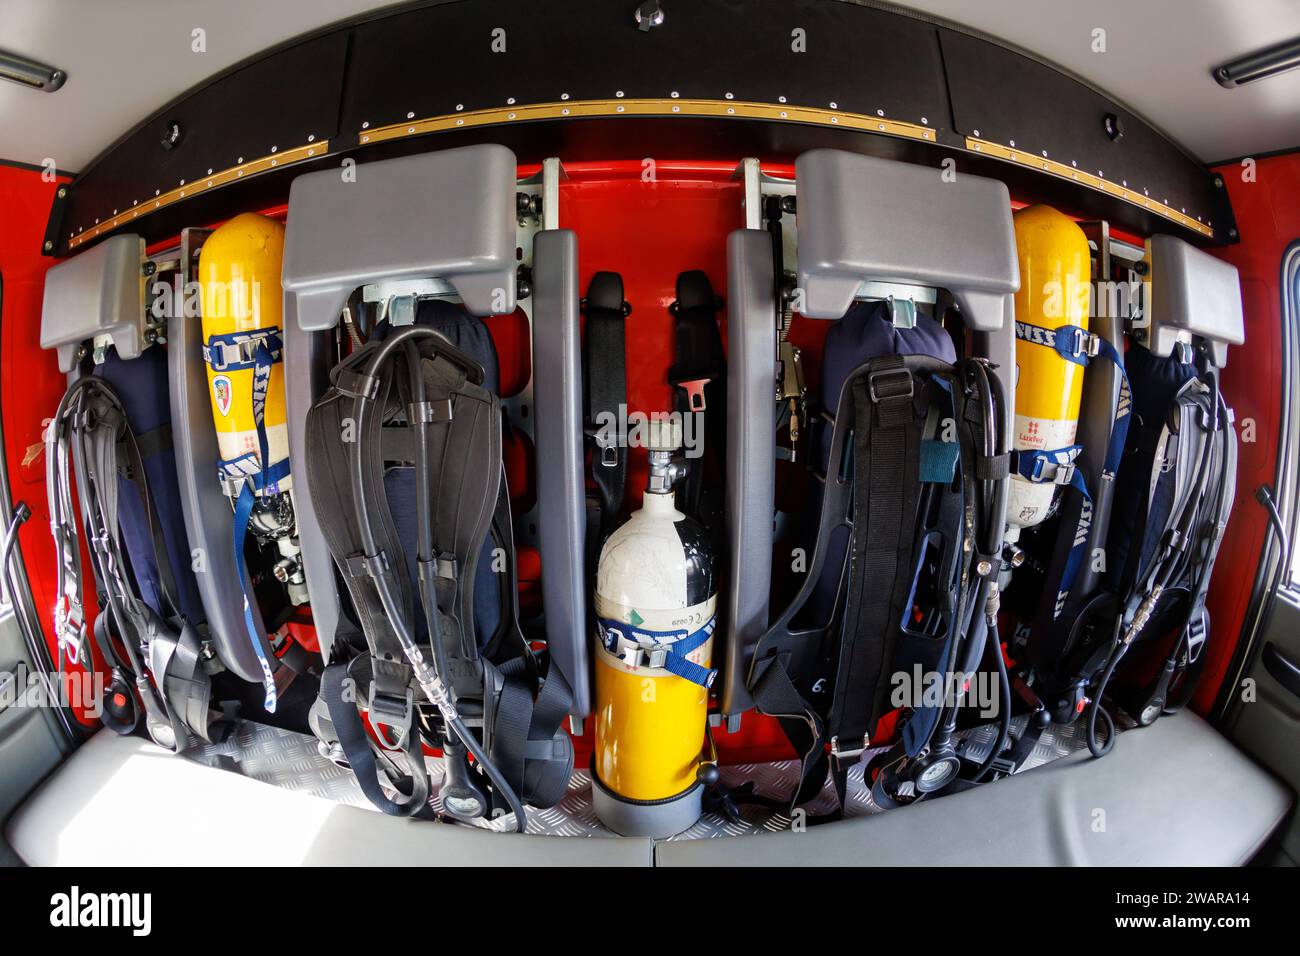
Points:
point(664, 472)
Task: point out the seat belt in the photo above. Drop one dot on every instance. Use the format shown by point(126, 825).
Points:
point(699, 379)
point(606, 380)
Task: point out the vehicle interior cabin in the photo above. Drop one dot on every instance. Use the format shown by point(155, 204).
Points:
point(649, 433)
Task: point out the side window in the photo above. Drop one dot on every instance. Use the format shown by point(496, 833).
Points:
point(1290, 450)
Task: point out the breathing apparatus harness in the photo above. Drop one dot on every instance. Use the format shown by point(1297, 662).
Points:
point(1177, 478)
point(452, 434)
point(1191, 481)
point(1057, 465)
point(155, 653)
point(917, 471)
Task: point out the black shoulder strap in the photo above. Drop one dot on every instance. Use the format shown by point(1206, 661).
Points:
point(886, 490)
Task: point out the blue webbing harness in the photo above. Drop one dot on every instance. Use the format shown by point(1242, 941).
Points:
point(250, 472)
point(1057, 465)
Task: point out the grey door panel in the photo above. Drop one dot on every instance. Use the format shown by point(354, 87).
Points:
point(1264, 716)
point(31, 742)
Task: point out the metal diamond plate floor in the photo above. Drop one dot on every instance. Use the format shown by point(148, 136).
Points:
point(290, 760)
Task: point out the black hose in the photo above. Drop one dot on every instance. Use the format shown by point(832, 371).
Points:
point(1096, 710)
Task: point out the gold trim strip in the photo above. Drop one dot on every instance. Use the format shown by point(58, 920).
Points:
point(1024, 158)
point(579, 109)
point(201, 185)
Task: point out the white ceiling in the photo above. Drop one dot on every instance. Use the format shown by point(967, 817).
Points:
point(1158, 58)
point(127, 58)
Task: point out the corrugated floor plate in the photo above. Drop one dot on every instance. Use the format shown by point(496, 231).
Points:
point(291, 760)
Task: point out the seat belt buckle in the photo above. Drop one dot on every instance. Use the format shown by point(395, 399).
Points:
point(608, 453)
point(694, 389)
point(844, 755)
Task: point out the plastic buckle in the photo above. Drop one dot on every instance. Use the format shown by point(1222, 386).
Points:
point(1003, 765)
point(694, 393)
point(1196, 631)
point(361, 564)
point(887, 376)
point(390, 713)
point(841, 756)
point(1064, 473)
point(1078, 344)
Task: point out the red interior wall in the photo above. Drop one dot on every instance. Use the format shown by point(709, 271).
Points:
point(1268, 219)
point(30, 382)
point(648, 232)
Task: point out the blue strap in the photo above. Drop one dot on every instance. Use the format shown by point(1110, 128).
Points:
point(938, 461)
point(243, 511)
point(266, 481)
point(676, 644)
point(1032, 465)
point(1072, 343)
point(235, 351)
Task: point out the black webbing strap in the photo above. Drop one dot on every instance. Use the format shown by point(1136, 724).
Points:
point(334, 690)
point(606, 377)
point(886, 486)
point(775, 694)
point(331, 425)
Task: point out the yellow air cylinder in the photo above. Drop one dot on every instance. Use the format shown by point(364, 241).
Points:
point(239, 275)
point(1055, 280)
point(655, 607)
